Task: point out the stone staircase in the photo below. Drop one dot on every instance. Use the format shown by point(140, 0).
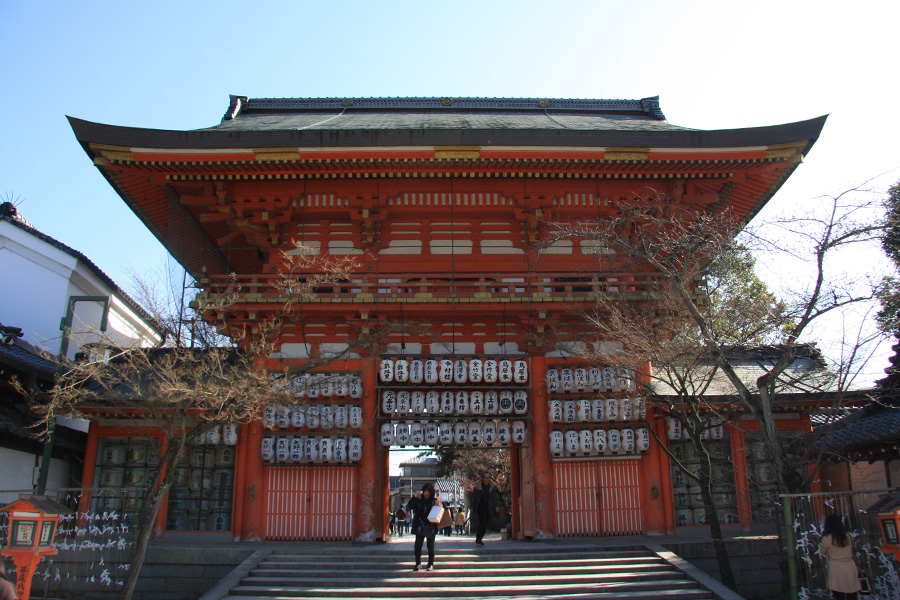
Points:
point(539, 572)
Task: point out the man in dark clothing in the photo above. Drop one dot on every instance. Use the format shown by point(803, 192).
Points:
point(400, 515)
point(485, 502)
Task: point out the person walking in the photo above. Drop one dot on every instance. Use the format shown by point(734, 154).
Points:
point(423, 529)
point(460, 521)
point(400, 518)
point(485, 502)
point(837, 548)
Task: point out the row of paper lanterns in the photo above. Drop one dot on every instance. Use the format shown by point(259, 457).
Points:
point(712, 429)
point(445, 370)
point(448, 433)
point(322, 385)
point(447, 402)
point(599, 441)
point(226, 434)
point(597, 410)
point(315, 449)
point(582, 379)
point(326, 416)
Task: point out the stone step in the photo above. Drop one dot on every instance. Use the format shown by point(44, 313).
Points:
point(481, 554)
point(450, 562)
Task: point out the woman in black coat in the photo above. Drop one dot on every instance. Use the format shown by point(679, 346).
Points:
point(423, 528)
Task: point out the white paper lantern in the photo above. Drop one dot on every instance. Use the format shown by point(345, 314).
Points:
point(311, 449)
point(556, 411)
point(339, 449)
point(600, 440)
point(586, 440)
point(520, 371)
point(299, 385)
point(475, 432)
point(356, 417)
point(213, 435)
point(298, 416)
point(581, 379)
point(491, 402)
point(282, 449)
point(314, 389)
point(432, 433)
point(403, 402)
point(282, 416)
point(401, 434)
point(230, 434)
point(445, 433)
point(462, 402)
point(401, 370)
point(640, 408)
point(356, 447)
point(460, 433)
point(642, 439)
point(567, 379)
point(431, 371)
point(387, 434)
point(489, 432)
point(506, 402)
point(341, 385)
point(571, 441)
point(356, 387)
point(341, 417)
point(506, 371)
point(570, 411)
point(626, 380)
point(557, 443)
point(388, 402)
point(595, 377)
point(490, 371)
point(327, 385)
point(445, 372)
point(476, 370)
point(448, 402)
point(717, 430)
point(416, 434)
point(609, 379)
point(518, 432)
point(612, 409)
point(386, 370)
point(432, 402)
point(416, 371)
point(504, 432)
point(325, 454)
point(553, 385)
point(297, 449)
point(268, 448)
point(326, 417)
point(628, 441)
point(476, 402)
point(583, 410)
point(598, 413)
point(704, 432)
point(614, 440)
point(673, 428)
point(268, 418)
point(625, 412)
point(520, 402)
point(418, 402)
point(312, 417)
point(460, 371)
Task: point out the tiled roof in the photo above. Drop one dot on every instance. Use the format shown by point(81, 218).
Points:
point(23, 357)
point(870, 433)
point(10, 214)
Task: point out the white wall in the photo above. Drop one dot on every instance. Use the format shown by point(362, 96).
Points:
point(19, 472)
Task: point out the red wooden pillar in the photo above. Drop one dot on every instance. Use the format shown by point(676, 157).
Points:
point(659, 504)
point(90, 462)
point(238, 517)
point(372, 474)
point(254, 512)
point(515, 500)
point(742, 486)
point(542, 469)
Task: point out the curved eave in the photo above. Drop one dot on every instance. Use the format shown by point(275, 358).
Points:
point(89, 133)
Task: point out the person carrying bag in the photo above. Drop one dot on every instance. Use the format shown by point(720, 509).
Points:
point(421, 506)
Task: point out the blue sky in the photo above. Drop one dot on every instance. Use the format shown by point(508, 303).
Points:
point(172, 65)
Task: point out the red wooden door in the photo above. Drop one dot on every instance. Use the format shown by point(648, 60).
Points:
point(600, 497)
point(310, 503)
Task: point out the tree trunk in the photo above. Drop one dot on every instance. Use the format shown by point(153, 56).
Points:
point(712, 520)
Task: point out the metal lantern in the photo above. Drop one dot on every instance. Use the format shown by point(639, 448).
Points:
point(506, 371)
point(448, 402)
point(504, 432)
point(401, 370)
point(557, 443)
point(445, 372)
point(476, 402)
point(432, 402)
point(556, 411)
point(491, 402)
point(476, 370)
point(431, 371)
point(418, 402)
point(416, 371)
point(600, 440)
point(462, 402)
point(520, 402)
point(386, 370)
point(490, 371)
point(356, 417)
point(387, 434)
point(520, 371)
point(518, 432)
point(571, 441)
point(460, 371)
